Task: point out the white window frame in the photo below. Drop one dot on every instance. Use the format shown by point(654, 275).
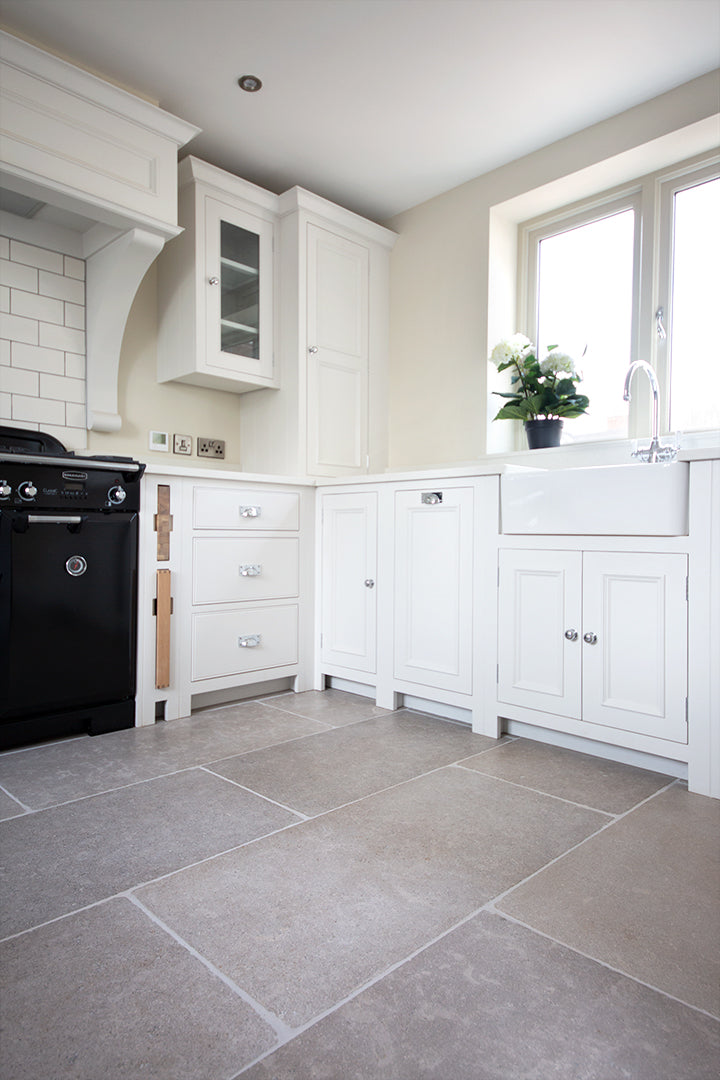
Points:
point(651, 197)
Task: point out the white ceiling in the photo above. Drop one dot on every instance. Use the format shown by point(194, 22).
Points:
point(380, 104)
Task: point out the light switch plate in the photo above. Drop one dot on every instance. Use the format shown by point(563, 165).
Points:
point(182, 444)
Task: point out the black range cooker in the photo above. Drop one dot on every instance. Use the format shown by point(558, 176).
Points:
point(68, 589)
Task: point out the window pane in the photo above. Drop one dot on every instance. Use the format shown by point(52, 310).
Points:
point(585, 301)
point(694, 344)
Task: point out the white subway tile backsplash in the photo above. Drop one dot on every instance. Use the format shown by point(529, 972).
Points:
point(4, 298)
point(62, 288)
point(75, 416)
point(74, 365)
point(5, 407)
point(34, 306)
point(4, 247)
point(60, 388)
point(38, 410)
point(74, 268)
point(18, 276)
point(61, 337)
point(38, 359)
point(31, 255)
point(17, 381)
point(16, 328)
point(75, 316)
point(4, 353)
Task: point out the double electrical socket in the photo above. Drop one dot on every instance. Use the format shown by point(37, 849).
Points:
point(214, 448)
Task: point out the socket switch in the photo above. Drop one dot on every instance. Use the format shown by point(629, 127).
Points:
point(214, 448)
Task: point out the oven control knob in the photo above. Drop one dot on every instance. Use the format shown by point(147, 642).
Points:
point(116, 495)
point(27, 490)
point(5, 489)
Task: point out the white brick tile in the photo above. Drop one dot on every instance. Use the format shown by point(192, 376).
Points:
point(61, 337)
point(35, 358)
point(60, 388)
point(4, 298)
point(75, 316)
point(36, 256)
point(34, 306)
point(70, 436)
point(4, 353)
point(74, 365)
point(15, 328)
point(18, 276)
point(75, 416)
point(74, 268)
point(5, 407)
point(18, 381)
point(4, 247)
point(62, 288)
point(37, 410)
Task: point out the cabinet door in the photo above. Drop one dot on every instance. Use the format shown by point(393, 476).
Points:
point(349, 558)
point(337, 379)
point(238, 290)
point(539, 630)
point(635, 673)
point(434, 588)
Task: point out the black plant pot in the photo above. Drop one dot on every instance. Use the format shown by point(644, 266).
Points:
point(541, 433)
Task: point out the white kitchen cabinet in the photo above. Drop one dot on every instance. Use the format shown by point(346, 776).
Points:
point(434, 587)
point(329, 416)
point(216, 284)
point(598, 637)
point(348, 593)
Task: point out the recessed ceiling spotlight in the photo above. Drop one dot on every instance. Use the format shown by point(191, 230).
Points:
point(251, 83)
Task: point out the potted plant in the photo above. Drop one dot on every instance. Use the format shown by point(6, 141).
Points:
point(544, 391)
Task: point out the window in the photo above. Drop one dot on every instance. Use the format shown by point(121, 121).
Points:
point(598, 274)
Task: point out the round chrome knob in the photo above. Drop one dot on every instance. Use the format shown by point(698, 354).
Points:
point(571, 635)
point(369, 583)
point(117, 495)
point(214, 281)
point(5, 489)
point(312, 349)
point(591, 639)
point(27, 490)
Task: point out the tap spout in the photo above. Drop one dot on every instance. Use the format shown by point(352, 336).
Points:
point(642, 365)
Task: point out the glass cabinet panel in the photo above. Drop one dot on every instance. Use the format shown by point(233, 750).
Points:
point(240, 291)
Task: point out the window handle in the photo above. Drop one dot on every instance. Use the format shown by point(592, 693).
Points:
point(659, 316)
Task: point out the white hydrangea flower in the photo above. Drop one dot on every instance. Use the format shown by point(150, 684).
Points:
point(515, 348)
point(557, 362)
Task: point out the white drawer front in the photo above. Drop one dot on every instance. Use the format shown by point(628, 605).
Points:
point(249, 639)
point(228, 569)
point(238, 508)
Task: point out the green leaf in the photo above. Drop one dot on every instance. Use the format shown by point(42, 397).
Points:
point(511, 412)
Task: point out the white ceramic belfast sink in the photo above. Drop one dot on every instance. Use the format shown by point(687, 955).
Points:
point(607, 500)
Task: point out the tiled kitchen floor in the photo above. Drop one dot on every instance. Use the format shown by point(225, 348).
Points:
point(312, 888)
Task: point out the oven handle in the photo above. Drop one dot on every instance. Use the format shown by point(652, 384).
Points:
point(54, 519)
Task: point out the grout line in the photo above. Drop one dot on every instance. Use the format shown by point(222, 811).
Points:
point(491, 910)
point(258, 794)
point(537, 791)
point(10, 795)
point(281, 1029)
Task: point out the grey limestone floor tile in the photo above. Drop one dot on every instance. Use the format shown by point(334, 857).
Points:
point(302, 918)
point(582, 778)
point(9, 807)
point(61, 859)
point(53, 773)
point(493, 1001)
point(106, 993)
point(641, 896)
point(314, 775)
point(333, 707)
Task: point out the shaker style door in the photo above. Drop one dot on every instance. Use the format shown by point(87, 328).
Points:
point(337, 340)
point(349, 554)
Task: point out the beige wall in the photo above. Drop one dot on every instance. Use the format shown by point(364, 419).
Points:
point(447, 309)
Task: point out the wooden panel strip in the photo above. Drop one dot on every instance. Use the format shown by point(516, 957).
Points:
point(163, 522)
point(163, 611)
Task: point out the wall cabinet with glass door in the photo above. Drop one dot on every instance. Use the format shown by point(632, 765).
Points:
point(216, 284)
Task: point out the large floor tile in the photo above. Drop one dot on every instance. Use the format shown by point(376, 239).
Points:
point(61, 859)
point(582, 778)
point(346, 763)
point(302, 918)
point(641, 896)
point(493, 1001)
point(53, 773)
point(106, 993)
point(333, 707)
point(9, 807)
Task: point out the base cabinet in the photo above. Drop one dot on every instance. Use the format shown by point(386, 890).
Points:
point(599, 637)
point(349, 571)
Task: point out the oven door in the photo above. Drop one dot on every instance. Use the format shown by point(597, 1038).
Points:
point(67, 610)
